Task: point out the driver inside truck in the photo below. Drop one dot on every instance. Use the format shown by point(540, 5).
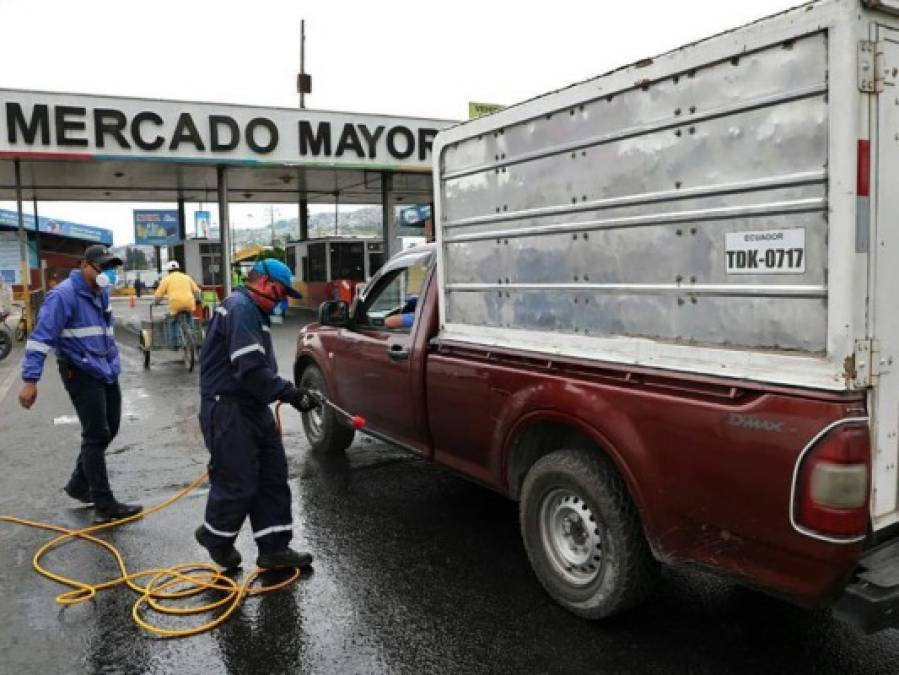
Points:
point(405, 317)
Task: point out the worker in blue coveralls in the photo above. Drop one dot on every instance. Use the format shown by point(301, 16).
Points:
point(75, 321)
point(238, 381)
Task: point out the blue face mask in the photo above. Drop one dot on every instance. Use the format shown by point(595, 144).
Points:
point(106, 278)
point(280, 308)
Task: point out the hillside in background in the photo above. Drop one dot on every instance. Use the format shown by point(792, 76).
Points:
point(364, 222)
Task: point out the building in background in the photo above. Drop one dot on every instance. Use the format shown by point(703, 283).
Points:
point(54, 248)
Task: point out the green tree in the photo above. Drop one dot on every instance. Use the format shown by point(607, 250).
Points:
point(135, 259)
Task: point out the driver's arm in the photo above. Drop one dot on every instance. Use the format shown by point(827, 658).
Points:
point(400, 320)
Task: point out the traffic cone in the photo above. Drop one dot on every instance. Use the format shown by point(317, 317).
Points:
point(131, 302)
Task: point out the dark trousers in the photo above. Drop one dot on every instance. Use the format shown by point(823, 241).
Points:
point(99, 408)
point(247, 474)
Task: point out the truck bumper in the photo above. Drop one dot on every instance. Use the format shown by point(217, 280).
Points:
point(871, 601)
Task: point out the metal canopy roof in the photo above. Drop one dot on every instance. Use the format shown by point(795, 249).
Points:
point(77, 147)
point(136, 181)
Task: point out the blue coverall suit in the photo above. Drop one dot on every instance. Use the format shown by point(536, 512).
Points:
point(248, 467)
point(77, 324)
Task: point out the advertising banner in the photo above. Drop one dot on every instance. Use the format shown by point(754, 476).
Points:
point(476, 109)
point(63, 228)
point(413, 216)
point(153, 227)
point(11, 261)
point(201, 224)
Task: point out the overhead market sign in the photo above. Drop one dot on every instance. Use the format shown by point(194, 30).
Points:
point(91, 127)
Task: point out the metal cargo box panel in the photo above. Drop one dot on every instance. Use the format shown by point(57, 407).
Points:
point(626, 215)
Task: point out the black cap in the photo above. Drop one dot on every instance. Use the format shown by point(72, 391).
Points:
point(101, 256)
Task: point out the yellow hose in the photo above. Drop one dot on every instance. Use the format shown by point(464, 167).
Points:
point(165, 583)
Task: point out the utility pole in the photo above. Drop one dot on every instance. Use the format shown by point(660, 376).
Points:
point(271, 220)
point(304, 81)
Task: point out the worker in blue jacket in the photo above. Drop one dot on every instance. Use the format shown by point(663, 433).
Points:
point(76, 322)
point(238, 381)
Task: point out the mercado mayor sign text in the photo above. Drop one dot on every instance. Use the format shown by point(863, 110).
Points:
point(33, 123)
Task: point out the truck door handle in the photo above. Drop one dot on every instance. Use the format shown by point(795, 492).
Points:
point(397, 352)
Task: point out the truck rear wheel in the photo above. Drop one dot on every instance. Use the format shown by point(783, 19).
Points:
point(324, 429)
point(583, 534)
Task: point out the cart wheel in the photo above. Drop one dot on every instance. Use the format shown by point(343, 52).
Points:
point(146, 352)
point(187, 340)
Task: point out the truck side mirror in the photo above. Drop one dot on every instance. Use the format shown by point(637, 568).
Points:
point(334, 313)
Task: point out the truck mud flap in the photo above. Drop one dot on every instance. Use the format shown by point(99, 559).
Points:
point(871, 601)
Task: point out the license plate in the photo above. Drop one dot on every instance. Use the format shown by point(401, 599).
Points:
point(765, 252)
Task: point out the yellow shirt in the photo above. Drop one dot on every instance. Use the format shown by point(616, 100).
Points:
point(180, 289)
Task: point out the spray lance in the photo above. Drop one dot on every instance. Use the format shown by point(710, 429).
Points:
point(356, 420)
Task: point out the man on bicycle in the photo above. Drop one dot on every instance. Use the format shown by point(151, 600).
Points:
point(182, 293)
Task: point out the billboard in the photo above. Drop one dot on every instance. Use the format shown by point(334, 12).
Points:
point(154, 227)
point(11, 258)
point(413, 216)
point(476, 109)
point(62, 228)
point(201, 224)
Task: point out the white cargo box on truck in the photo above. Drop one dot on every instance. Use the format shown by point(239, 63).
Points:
point(728, 208)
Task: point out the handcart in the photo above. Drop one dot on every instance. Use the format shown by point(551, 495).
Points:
point(185, 336)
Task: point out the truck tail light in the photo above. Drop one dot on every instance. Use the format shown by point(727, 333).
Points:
point(832, 484)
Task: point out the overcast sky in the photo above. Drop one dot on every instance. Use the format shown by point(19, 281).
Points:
point(401, 57)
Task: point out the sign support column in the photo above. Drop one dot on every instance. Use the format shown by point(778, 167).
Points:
point(304, 219)
point(37, 244)
point(388, 218)
point(23, 248)
point(224, 228)
point(182, 226)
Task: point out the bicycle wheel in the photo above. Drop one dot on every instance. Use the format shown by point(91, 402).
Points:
point(146, 350)
point(187, 347)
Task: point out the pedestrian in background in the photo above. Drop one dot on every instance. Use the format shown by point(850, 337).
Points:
point(76, 322)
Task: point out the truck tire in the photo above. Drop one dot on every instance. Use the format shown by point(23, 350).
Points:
point(583, 534)
point(325, 431)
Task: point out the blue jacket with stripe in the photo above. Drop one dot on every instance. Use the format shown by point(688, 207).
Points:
point(77, 324)
point(238, 358)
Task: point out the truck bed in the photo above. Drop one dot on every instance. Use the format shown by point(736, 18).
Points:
point(690, 212)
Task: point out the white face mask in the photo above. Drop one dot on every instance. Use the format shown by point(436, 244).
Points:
point(102, 280)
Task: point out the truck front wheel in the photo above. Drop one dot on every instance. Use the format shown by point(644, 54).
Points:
point(583, 534)
point(324, 430)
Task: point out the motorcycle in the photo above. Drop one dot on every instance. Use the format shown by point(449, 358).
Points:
point(6, 336)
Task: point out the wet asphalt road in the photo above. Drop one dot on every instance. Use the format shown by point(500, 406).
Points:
point(417, 570)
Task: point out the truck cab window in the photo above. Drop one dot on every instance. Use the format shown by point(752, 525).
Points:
point(392, 304)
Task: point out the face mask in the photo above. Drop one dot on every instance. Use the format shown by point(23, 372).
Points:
point(280, 308)
point(106, 278)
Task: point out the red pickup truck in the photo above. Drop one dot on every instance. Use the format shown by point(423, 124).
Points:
point(615, 468)
point(661, 314)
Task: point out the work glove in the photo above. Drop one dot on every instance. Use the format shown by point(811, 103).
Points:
point(303, 400)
